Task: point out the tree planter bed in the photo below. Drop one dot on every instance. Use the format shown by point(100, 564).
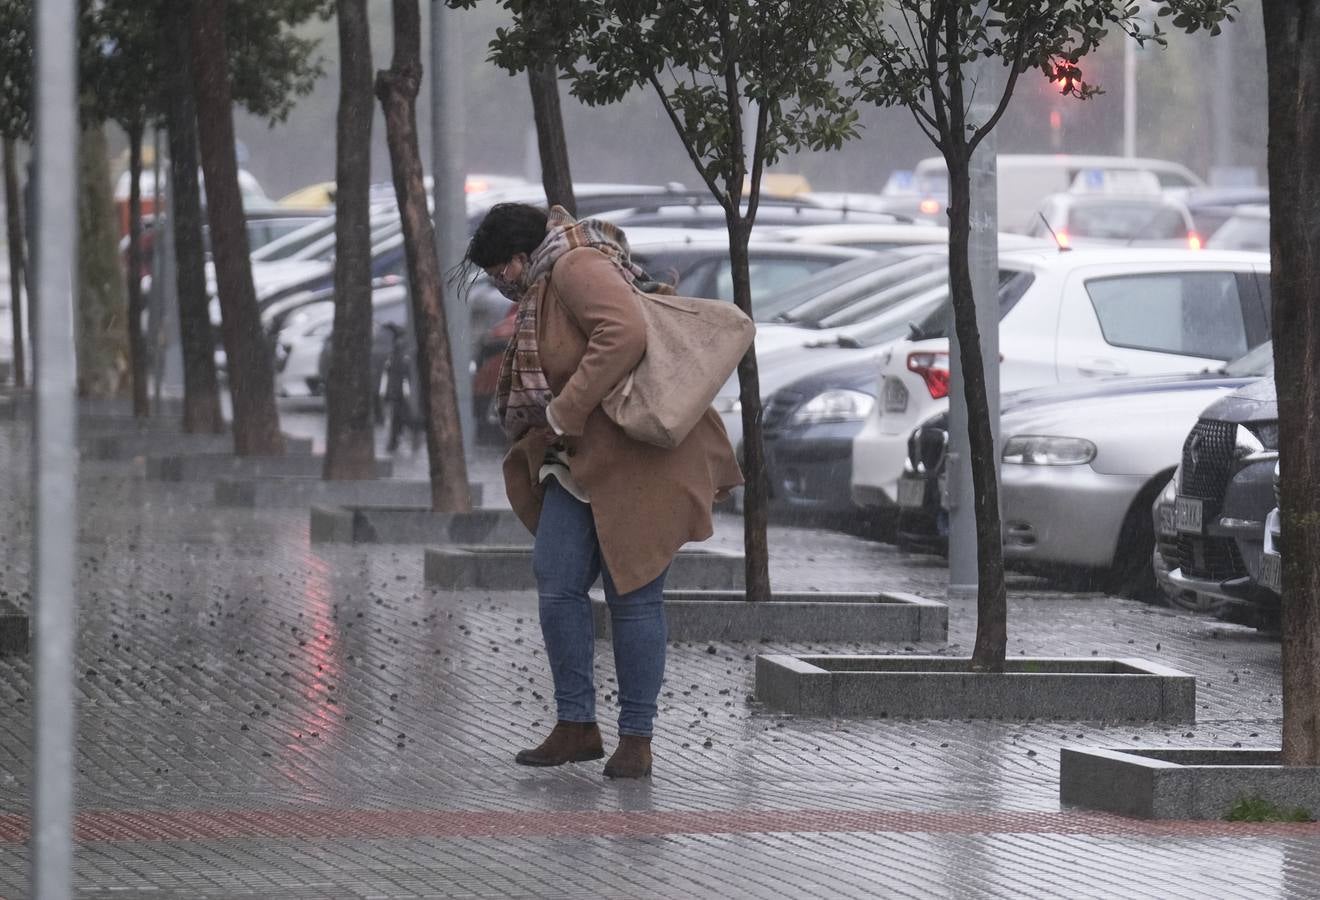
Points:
point(159, 442)
point(208, 466)
point(510, 569)
point(13, 630)
point(417, 524)
point(282, 492)
point(807, 616)
point(1192, 783)
point(938, 687)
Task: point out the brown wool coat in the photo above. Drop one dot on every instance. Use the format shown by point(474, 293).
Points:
point(647, 501)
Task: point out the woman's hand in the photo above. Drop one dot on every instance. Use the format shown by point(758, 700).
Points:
point(545, 438)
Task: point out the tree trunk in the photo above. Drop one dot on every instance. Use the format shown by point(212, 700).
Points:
point(350, 435)
point(137, 342)
point(201, 387)
point(101, 346)
point(14, 224)
point(251, 369)
point(991, 600)
point(756, 486)
point(1292, 41)
point(397, 89)
point(550, 141)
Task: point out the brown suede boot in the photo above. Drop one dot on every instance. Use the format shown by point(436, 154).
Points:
point(632, 759)
point(568, 742)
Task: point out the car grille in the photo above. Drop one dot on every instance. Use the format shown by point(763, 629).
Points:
point(1209, 558)
point(779, 408)
point(1207, 460)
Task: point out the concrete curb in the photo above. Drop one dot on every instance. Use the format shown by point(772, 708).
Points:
point(510, 569)
point(381, 524)
point(153, 442)
point(1186, 783)
point(207, 466)
point(940, 687)
point(14, 630)
point(805, 616)
point(282, 492)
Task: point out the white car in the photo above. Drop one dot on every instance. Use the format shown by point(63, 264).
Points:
point(886, 237)
point(298, 346)
point(1127, 220)
point(1067, 317)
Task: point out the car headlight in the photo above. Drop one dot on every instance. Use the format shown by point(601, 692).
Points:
point(834, 406)
point(727, 405)
point(1257, 442)
point(1043, 450)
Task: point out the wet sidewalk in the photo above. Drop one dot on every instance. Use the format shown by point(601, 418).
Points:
point(259, 717)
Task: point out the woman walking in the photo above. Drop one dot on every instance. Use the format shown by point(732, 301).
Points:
point(598, 502)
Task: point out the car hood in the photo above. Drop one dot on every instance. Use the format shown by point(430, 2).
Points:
point(1138, 431)
point(1082, 391)
point(860, 375)
point(1254, 402)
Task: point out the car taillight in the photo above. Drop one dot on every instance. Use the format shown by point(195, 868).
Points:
point(933, 369)
point(929, 206)
point(1193, 241)
point(1062, 237)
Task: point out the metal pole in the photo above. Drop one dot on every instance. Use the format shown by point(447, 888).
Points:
point(983, 256)
point(449, 195)
point(54, 461)
point(1129, 98)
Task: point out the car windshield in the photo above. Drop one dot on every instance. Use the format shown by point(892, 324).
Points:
point(1126, 219)
point(291, 243)
point(1012, 285)
point(824, 302)
point(774, 307)
point(1257, 361)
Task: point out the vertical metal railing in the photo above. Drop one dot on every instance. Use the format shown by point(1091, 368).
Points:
point(55, 239)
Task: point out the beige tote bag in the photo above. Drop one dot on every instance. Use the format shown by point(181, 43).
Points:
point(692, 346)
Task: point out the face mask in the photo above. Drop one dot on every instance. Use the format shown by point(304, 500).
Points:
point(509, 289)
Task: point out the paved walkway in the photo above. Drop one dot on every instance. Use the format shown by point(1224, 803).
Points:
point(263, 718)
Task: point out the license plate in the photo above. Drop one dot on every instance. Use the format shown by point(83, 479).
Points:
point(1187, 515)
point(1166, 521)
point(895, 396)
point(911, 492)
point(1271, 576)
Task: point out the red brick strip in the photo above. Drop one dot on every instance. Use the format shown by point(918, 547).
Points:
point(134, 826)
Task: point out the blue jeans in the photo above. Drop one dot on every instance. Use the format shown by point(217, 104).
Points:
point(567, 562)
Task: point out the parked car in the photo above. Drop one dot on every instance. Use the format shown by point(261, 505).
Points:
point(1070, 317)
point(306, 334)
point(1130, 220)
point(1211, 207)
point(1210, 521)
point(809, 426)
point(1248, 228)
point(770, 212)
point(1103, 449)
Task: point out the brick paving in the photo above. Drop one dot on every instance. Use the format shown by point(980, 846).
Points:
point(259, 717)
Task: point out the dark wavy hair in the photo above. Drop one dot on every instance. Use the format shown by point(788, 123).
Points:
point(506, 230)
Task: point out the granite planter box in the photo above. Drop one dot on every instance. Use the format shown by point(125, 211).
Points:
point(1193, 783)
point(276, 492)
point(153, 441)
point(807, 616)
point(208, 466)
point(510, 569)
point(382, 524)
point(940, 687)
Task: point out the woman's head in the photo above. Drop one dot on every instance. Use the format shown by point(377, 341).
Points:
point(503, 242)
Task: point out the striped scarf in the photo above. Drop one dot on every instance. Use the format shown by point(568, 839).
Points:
point(523, 392)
